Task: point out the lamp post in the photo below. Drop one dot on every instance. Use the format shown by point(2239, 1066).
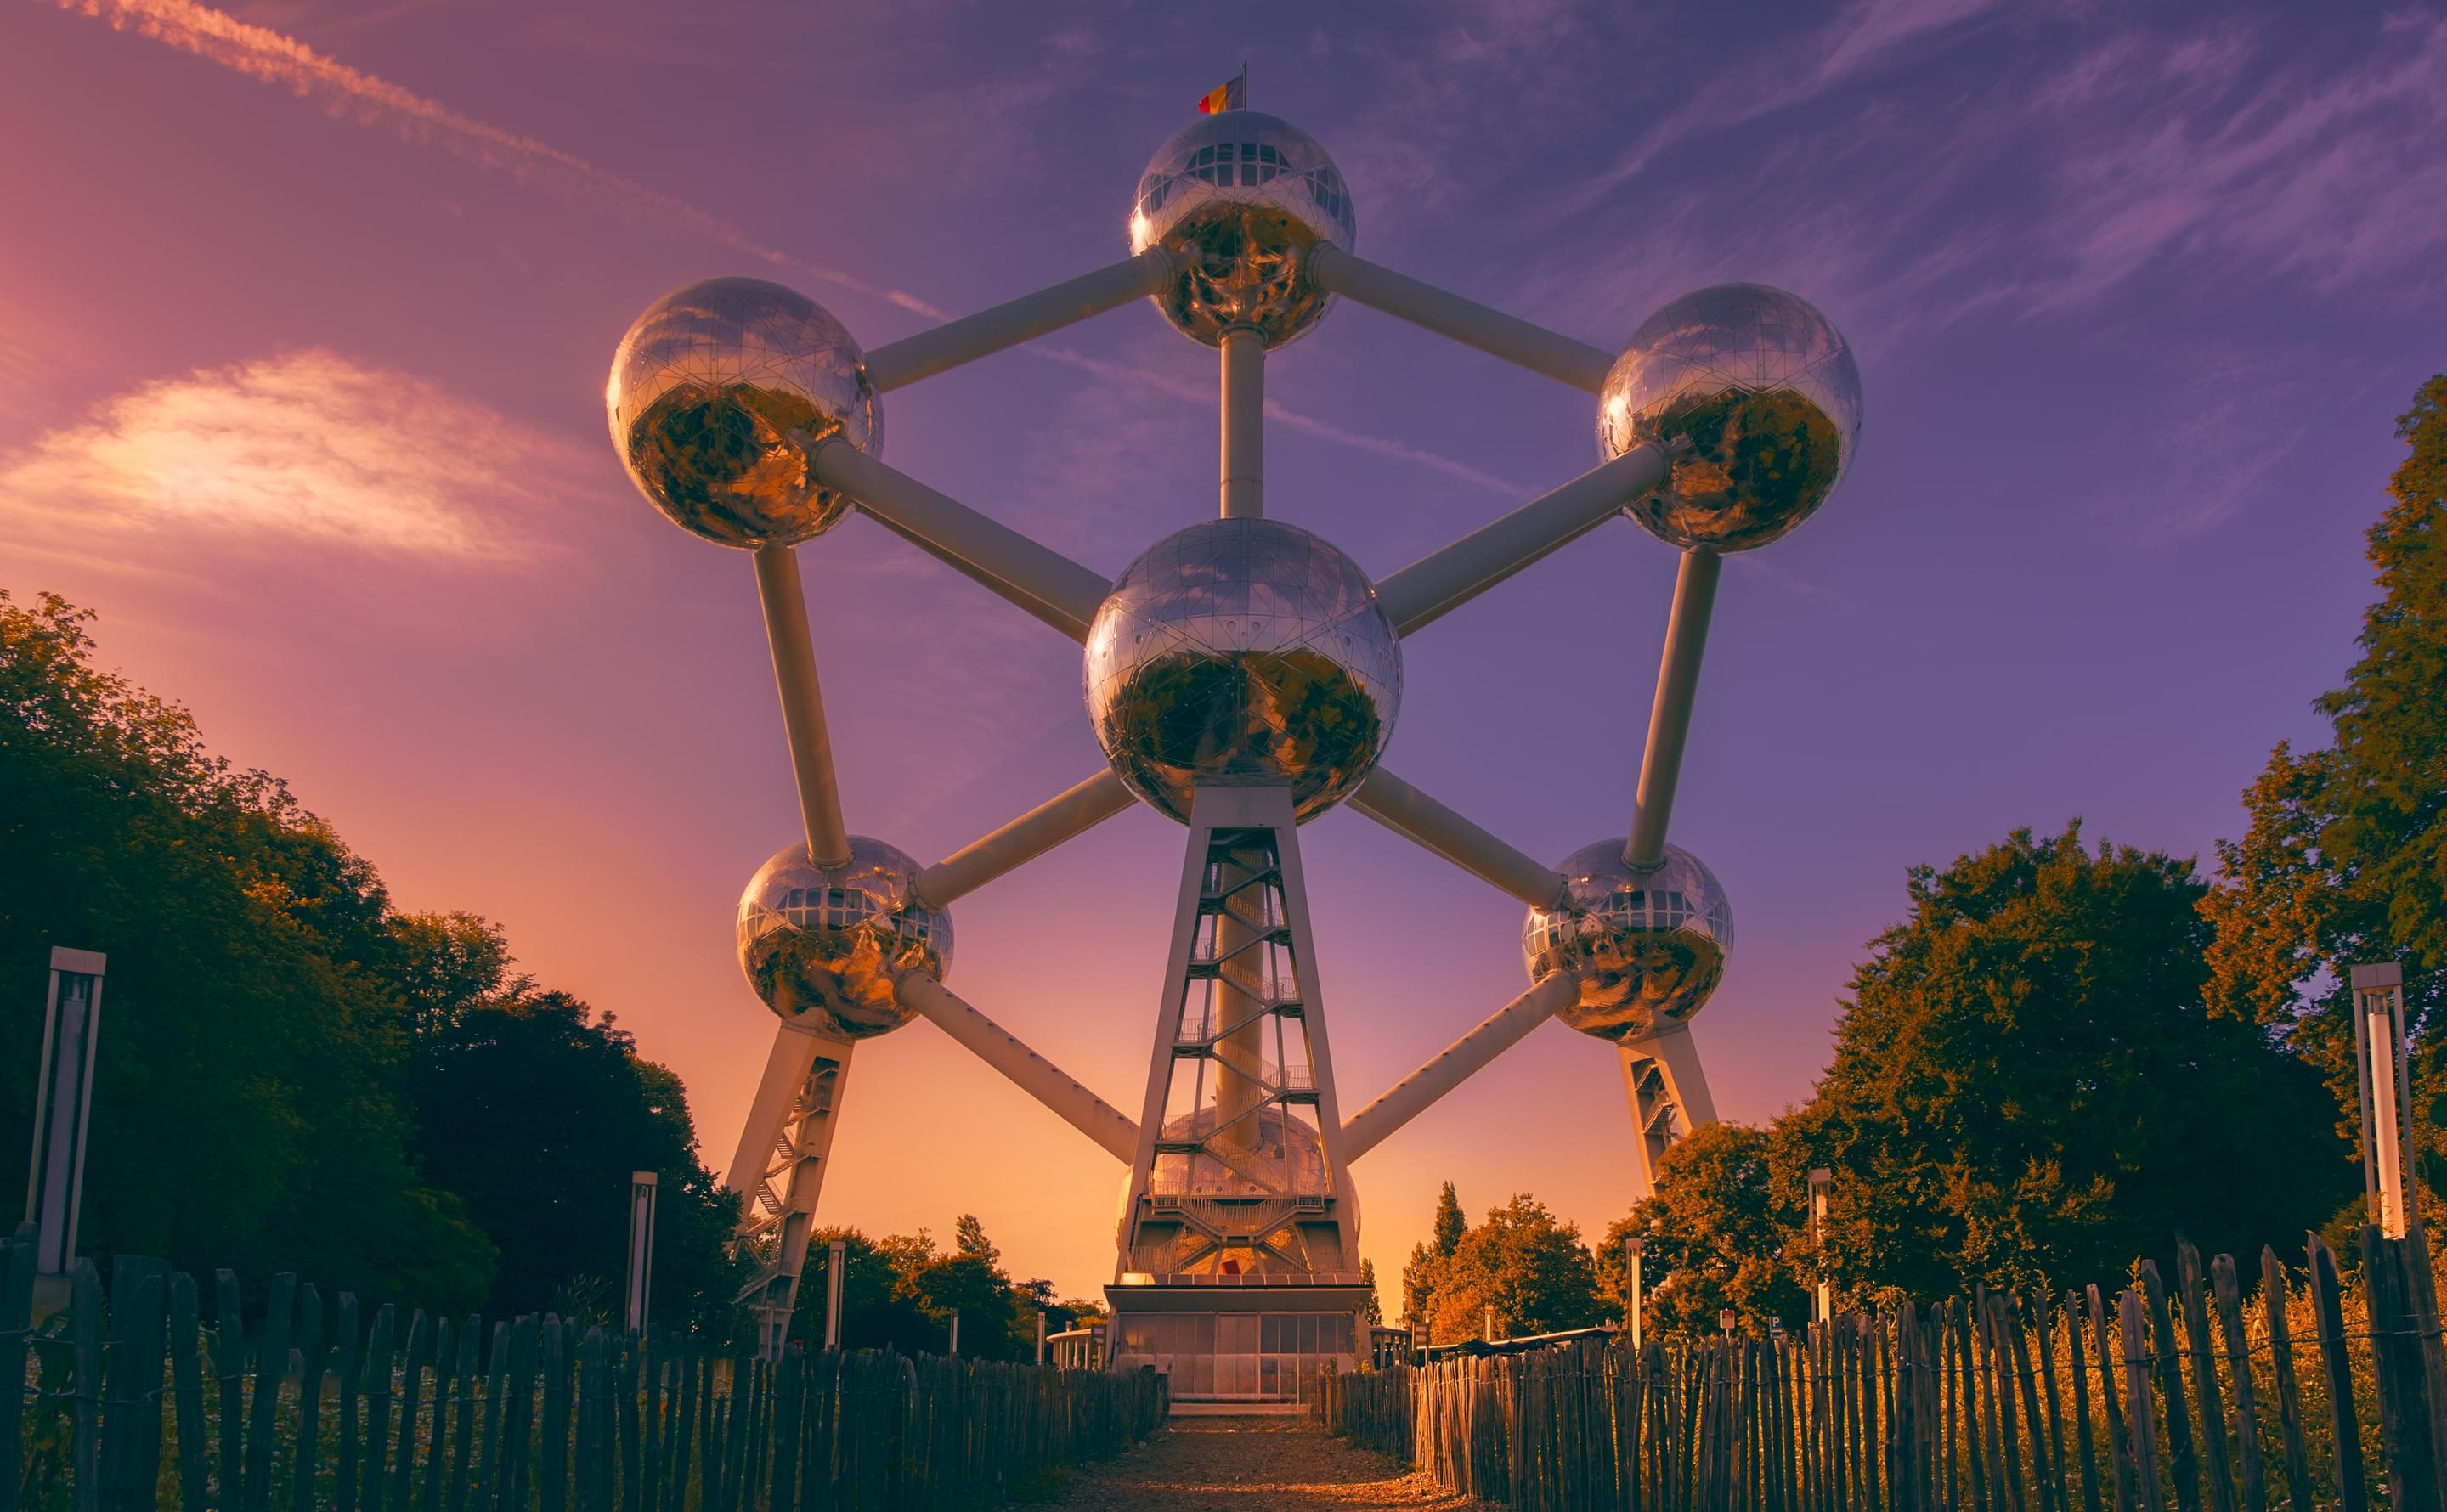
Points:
point(64, 1106)
point(1631, 1256)
point(956, 1333)
point(1822, 1183)
point(836, 1258)
point(642, 1191)
point(2386, 1099)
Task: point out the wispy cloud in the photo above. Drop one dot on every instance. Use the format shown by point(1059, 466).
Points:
point(306, 448)
point(351, 94)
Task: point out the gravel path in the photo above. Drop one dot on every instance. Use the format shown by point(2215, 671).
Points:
point(1245, 1465)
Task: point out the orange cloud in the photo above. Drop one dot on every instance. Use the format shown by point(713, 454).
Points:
point(307, 446)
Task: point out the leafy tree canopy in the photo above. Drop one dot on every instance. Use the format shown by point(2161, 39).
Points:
point(2343, 862)
point(1532, 1269)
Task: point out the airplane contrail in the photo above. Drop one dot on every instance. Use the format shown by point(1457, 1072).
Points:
point(348, 93)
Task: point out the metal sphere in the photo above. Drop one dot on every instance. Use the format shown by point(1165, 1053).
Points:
point(1648, 947)
point(1240, 199)
point(1242, 651)
point(720, 395)
point(830, 941)
point(1286, 1148)
point(1755, 397)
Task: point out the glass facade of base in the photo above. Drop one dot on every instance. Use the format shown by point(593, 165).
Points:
point(1242, 1356)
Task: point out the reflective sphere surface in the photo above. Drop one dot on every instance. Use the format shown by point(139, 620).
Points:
point(1243, 650)
point(1757, 403)
point(720, 395)
point(1648, 947)
point(1239, 198)
point(830, 941)
point(1284, 1149)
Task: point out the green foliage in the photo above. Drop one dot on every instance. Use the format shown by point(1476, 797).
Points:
point(1533, 1270)
point(1368, 1280)
point(899, 1293)
point(1719, 1233)
point(252, 1018)
point(2345, 859)
point(536, 1113)
point(2028, 1087)
point(293, 1075)
point(1444, 1236)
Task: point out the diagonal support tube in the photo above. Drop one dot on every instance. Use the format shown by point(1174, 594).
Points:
point(1449, 315)
point(1029, 1071)
point(898, 364)
point(1445, 579)
point(1669, 718)
point(1414, 815)
point(1073, 811)
point(1463, 1059)
point(803, 704)
point(1046, 584)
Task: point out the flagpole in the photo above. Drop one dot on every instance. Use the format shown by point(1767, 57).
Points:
point(1245, 84)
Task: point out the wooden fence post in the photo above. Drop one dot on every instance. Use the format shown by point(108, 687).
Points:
point(2352, 1495)
point(2274, 1298)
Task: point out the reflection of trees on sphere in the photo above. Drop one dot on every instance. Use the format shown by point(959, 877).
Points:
point(1648, 947)
point(831, 941)
point(1240, 199)
point(1754, 397)
point(1242, 649)
point(720, 395)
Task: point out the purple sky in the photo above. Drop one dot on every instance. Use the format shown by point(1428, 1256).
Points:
point(301, 364)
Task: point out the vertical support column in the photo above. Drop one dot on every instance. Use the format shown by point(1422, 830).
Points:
point(1669, 1098)
point(780, 1170)
point(1669, 717)
point(64, 1106)
point(1822, 1298)
point(1237, 1091)
point(2386, 1100)
point(1236, 836)
point(803, 704)
point(1245, 423)
point(642, 1194)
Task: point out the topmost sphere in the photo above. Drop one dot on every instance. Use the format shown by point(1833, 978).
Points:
point(1239, 199)
point(1755, 397)
point(720, 395)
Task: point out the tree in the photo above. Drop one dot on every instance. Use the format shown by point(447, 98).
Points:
point(1717, 1233)
point(1533, 1270)
point(969, 1237)
point(251, 1113)
point(2343, 862)
point(535, 1112)
point(1427, 1258)
point(2028, 1087)
point(900, 1292)
point(1368, 1280)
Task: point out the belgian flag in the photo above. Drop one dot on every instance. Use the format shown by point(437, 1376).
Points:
point(1232, 95)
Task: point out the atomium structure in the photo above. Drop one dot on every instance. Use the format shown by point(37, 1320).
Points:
point(1242, 675)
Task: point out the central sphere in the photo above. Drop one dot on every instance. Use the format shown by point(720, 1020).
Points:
point(826, 944)
point(1240, 199)
point(1648, 947)
point(1242, 651)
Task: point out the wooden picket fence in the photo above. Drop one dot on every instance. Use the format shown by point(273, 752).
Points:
point(137, 1402)
point(1991, 1402)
